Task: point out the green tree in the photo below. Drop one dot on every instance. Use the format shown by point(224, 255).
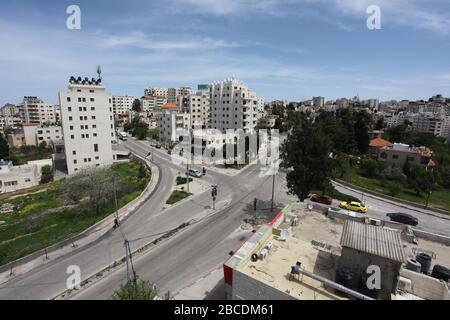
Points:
point(141, 290)
point(4, 148)
point(43, 145)
point(362, 123)
point(398, 133)
point(394, 188)
point(47, 174)
point(421, 180)
point(307, 153)
point(137, 106)
point(370, 168)
point(380, 124)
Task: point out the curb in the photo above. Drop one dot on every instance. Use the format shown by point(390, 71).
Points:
point(440, 213)
point(123, 214)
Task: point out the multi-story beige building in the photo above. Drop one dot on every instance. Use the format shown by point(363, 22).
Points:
point(35, 111)
point(88, 125)
point(153, 103)
point(9, 110)
point(122, 104)
point(156, 92)
point(169, 121)
point(199, 105)
point(174, 94)
point(234, 106)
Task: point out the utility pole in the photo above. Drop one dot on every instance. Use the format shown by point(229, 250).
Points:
point(273, 191)
point(214, 195)
point(428, 198)
point(126, 259)
point(115, 197)
point(187, 175)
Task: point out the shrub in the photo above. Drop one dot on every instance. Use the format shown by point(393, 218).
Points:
point(182, 180)
point(370, 168)
point(394, 188)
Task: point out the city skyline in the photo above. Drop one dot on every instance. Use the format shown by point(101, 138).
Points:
point(270, 45)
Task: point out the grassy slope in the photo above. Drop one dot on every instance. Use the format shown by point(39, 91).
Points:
point(32, 226)
point(439, 199)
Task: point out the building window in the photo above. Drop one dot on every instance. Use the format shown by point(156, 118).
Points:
point(74, 161)
point(68, 99)
point(74, 152)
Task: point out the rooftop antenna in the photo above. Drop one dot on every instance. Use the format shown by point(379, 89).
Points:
point(99, 72)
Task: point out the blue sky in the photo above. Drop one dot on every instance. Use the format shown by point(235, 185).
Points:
point(283, 49)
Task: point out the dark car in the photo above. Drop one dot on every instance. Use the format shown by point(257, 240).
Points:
point(322, 199)
point(403, 218)
point(158, 146)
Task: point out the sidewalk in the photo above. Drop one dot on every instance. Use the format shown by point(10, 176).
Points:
point(28, 263)
point(208, 287)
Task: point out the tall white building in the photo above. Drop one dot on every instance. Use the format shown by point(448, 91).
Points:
point(88, 125)
point(234, 106)
point(35, 111)
point(122, 104)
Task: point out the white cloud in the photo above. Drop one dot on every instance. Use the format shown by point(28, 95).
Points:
point(225, 7)
point(166, 42)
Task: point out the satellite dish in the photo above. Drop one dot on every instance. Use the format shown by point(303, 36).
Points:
point(284, 235)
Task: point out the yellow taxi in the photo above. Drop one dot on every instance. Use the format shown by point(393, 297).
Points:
point(353, 206)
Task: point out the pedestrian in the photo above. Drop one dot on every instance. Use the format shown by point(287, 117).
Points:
point(116, 223)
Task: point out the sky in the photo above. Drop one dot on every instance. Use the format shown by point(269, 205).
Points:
point(282, 49)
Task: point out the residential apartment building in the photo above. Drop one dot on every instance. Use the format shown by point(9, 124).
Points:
point(9, 110)
point(234, 106)
point(318, 102)
point(88, 125)
point(10, 121)
point(198, 106)
point(156, 92)
point(431, 123)
point(35, 111)
point(153, 103)
point(169, 121)
point(121, 104)
point(174, 94)
point(49, 134)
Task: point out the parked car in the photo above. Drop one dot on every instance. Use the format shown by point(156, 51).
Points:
point(403, 218)
point(194, 173)
point(353, 206)
point(158, 146)
point(170, 151)
point(322, 199)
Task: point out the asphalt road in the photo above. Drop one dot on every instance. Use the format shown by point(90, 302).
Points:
point(378, 207)
point(145, 225)
point(180, 261)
